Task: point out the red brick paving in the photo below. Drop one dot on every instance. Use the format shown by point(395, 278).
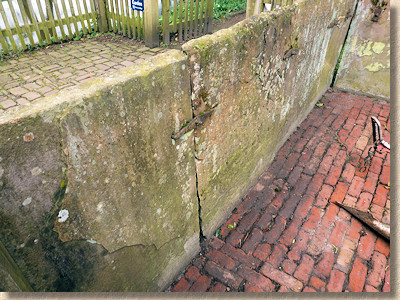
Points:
point(295, 238)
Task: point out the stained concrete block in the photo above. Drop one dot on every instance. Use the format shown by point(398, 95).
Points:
point(261, 77)
point(95, 195)
point(365, 65)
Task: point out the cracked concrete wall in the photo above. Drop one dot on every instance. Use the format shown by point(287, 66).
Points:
point(95, 195)
point(365, 65)
point(261, 77)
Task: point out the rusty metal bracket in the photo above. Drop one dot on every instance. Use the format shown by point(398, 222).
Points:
point(193, 124)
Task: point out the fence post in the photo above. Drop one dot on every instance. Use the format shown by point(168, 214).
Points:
point(151, 23)
point(210, 4)
point(101, 7)
point(254, 7)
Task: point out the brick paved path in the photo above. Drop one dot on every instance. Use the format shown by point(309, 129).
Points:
point(44, 72)
point(287, 234)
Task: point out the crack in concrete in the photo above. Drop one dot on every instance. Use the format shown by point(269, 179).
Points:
point(335, 72)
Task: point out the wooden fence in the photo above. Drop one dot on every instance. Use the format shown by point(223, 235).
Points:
point(254, 7)
point(44, 22)
point(28, 23)
point(189, 18)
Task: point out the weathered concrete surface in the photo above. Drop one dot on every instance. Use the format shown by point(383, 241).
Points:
point(365, 65)
point(262, 76)
point(94, 193)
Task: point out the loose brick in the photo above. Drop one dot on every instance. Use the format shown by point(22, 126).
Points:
point(366, 245)
point(289, 266)
point(339, 192)
point(218, 288)
point(308, 289)
point(382, 246)
point(330, 215)
point(317, 283)
point(364, 201)
point(240, 256)
point(333, 175)
point(370, 289)
point(357, 276)
point(377, 273)
point(252, 241)
point(277, 255)
point(300, 245)
point(386, 284)
point(235, 238)
point(338, 233)
point(313, 218)
point(376, 165)
point(281, 277)
point(356, 186)
point(336, 281)
point(318, 240)
point(380, 197)
point(295, 175)
point(262, 251)
point(249, 288)
point(247, 221)
point(276, 229)
point(256, 279)
point(192, 274)
point(225, 276)
point(348, 173)
point(325, 165)
point(305, 268)
point(215, 243)
point(182, 286)
point(201, 284)
point(323, 195)
point(315, 184)
point(291, 231)
point(385, 175)
point(324, 266)
point(221, 259)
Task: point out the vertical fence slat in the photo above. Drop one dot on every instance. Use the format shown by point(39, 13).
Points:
point(81, 18)
point(73, 16)
point(109, 15)
point(128, 18)
point(191, 18)
point(26, 22)
point(186, 19)
point(50, 16)
point(8, 29)
point(210, 9)
point(67, 19)
point(123, 18)
point(180, 21)
point(94, 16)
point(165, 21)
point(87, 16)
point(43, 23)
point(140, 25)
point(133, 22)
point(114, 16)
point(31, 11)
point(205, 16)
point(16, 23)
point(175, 15)
point(196, 18)
point(118, 16)
point(60, 23)
point(201, 19)
point(3, 43)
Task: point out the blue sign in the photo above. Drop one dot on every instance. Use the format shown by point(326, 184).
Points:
point(137, 5)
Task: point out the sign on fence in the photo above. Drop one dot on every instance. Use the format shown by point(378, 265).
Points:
point(137, 5)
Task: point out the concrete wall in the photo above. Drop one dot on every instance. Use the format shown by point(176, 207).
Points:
point(96, 196)
point(262, 76)
point(365, 65)
point(94, 193)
